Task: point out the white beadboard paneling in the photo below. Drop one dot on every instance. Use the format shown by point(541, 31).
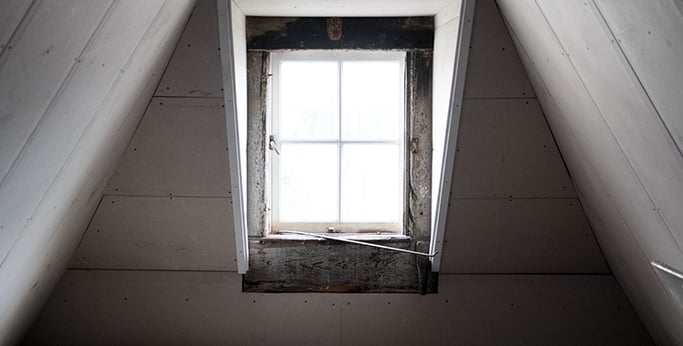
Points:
point(178, 149)
point(650, 33)
point(159, 233)
point(520, 236)
point(505, 149)
point(35, 69)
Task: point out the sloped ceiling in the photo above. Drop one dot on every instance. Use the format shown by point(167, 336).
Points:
point(609, 75)
point(74, 81)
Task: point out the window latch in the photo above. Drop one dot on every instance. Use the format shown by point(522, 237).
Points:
point(272, 145)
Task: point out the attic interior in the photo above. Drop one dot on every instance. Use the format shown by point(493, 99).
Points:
point(117, 190)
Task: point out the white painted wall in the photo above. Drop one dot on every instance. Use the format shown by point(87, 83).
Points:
point(609, 77)
point(74, 80)
point(157, 262)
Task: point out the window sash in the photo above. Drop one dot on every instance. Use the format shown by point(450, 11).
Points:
point(339, 58)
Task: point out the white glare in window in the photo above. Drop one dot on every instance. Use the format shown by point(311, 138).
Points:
point(308, 100)
point(308, 182)
point(372, 100)
point(371, 183)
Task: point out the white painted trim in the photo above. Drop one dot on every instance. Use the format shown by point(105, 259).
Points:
point(667, 269)
point(230, 97)
point(454, 111)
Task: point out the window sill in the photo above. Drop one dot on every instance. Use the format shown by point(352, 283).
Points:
point(300, 263)
point(372, 237)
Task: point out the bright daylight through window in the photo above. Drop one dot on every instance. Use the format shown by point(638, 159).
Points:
point(338, 123)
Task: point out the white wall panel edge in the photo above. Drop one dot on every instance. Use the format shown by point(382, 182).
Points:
point(235, 149)
point(445, 173)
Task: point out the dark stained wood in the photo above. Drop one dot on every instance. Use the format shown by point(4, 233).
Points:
point(328, 266)
point(272, 33)
point(419, 146)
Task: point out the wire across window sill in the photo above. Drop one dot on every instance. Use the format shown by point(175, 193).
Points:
point(364, 242)
point(352, 236)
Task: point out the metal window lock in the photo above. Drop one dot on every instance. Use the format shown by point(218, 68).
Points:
point(272, 145)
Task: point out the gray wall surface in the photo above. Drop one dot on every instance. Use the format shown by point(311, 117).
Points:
point(520, 263)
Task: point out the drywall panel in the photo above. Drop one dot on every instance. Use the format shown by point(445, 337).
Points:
point(650, 35)
point(498, 310)
point(127, 307)
point(505, 150)
point(494, 69)
point(50, 234)
point(178, 150)
point(626, 222)
point(195, 68)
point(208, 308)
point(34, 70)
point(159, 233)
point(520, 236)
point(11, 14)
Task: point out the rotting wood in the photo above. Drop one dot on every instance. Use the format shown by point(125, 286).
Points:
point(419, 155)
point(327, 266)
point(272, 33)
point(257, 123)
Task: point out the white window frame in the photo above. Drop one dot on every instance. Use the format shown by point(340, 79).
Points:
point(339, 57)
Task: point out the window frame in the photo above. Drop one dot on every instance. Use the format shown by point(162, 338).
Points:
point(296, 264)
point(340, 57)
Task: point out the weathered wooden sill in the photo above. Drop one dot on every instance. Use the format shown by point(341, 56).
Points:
point(292, 263)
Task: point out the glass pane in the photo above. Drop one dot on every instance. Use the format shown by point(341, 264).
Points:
point(308, 100)
point(371, 183)
point(308, 182)
point(372, 100)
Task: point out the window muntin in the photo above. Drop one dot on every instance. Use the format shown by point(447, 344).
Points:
point(339, 120)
